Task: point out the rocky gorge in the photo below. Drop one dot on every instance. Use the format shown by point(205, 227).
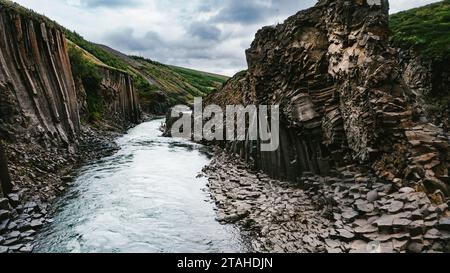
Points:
point(362, 166)
point(43, 138)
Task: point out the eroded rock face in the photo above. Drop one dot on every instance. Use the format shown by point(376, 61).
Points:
point(5, 179)
point(342, 96)
point(36, 85)
point(119, 97)
point(116, 96)
point(40, 109)
point(156, 103)
point(429, 80)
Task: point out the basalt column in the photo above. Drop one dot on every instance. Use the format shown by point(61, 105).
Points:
point(5, 180)
point(36, 81)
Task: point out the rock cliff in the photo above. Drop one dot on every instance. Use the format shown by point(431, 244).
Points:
point(5, 179)
point(41, 106)
point(37, 89)
point(342, 98)
point(352, 137)
point(118, 98)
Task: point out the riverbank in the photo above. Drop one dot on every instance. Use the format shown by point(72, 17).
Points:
point(41, 173)
point(350, 211)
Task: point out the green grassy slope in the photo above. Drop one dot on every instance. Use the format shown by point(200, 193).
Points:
point(180, 85)
point(426, 29)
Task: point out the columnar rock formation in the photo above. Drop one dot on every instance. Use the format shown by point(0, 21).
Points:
point(36, 84)
point(40, 104)
point(41, 136)
point(5, 179)
point(342, 98)
point(118, 95)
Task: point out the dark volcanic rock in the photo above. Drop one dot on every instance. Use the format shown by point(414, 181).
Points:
point(345, 234)
point(347, 102)
point(395, 206)
point(3, 249)
point(14, 199)
point(415, 247)
point(444, 223)
point(372, 196)
point(36, 224)
point(4, 204)
point(429, 81)
point(349, 215)
point(285, 218)
point(4, 214)
point(5, 179)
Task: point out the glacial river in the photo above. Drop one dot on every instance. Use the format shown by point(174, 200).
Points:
point(145, 198)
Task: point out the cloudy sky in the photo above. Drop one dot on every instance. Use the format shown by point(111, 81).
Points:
point(209, 35)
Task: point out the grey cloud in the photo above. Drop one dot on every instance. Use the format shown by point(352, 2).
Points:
point(125, 38)
point(242, 12)
point(216, 40)
point(254, 11)
point(209, 34)
point(286, 7)
point(204, 31)
point(185, 50)
point(110, 3)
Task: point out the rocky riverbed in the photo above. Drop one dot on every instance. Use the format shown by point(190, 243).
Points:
point(348, 211)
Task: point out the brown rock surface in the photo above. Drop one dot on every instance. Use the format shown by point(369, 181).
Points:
point(429, 80)
point(119, 97)
point(36, 84)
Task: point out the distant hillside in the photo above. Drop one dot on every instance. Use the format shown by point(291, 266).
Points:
point(180, 84)
point(159, 86)
point(426, 29)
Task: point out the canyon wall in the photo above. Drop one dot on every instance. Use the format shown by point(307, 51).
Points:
point(41, 106)
point(342, 98)
point(37, 90)
point(5, 180)
point(119, 97)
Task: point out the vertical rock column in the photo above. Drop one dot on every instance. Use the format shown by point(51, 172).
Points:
point(36, 76)
point(5, 180)
point(119, 97)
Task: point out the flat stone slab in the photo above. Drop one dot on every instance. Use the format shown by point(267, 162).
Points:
point(444, 223)
point(395, 206)
point(3, 249)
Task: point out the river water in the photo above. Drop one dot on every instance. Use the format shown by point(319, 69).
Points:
point(145, 198)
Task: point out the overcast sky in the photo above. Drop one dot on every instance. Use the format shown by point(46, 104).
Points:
point(209, 35)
